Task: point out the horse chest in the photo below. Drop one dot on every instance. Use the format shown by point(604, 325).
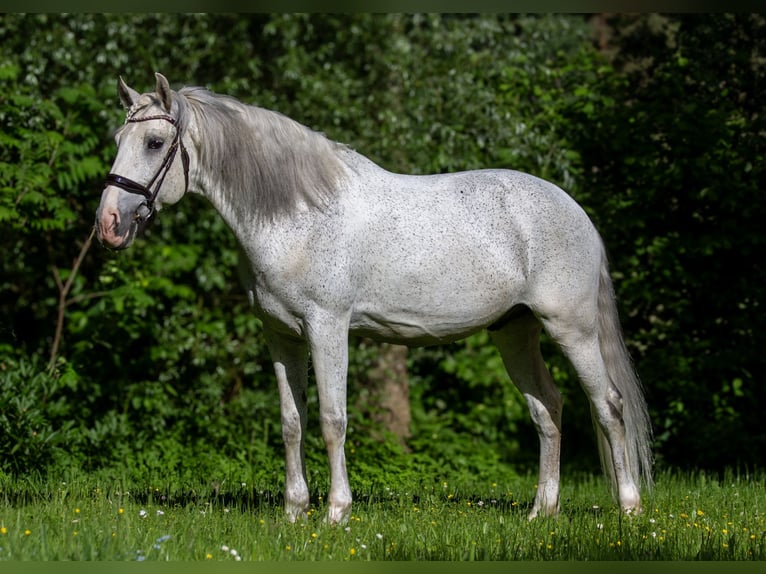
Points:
point(287, 296)
point(276, 310)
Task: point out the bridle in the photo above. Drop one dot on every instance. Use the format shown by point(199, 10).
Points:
point(159, 176)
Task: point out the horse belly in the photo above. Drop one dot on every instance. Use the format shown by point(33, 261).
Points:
point(415, 330)
point(421, 295)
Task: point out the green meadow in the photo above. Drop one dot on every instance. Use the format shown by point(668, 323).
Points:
point(686, 517)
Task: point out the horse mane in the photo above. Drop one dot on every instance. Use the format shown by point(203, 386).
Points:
point(270, 162)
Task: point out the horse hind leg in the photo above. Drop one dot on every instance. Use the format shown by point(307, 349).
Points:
point(580, 342)
point(519, 344)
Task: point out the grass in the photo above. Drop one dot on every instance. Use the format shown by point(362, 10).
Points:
point(686, 517)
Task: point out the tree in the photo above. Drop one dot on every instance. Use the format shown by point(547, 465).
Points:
point(674, 159)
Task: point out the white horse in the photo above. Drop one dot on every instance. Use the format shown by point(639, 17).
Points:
point(334, 244)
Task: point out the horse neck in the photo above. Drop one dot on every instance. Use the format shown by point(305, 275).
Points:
point(257, 166)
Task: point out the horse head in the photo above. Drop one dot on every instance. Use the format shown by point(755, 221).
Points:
point(147, 172)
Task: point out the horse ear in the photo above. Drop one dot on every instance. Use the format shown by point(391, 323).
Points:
point(164, 92)
point(128, 95)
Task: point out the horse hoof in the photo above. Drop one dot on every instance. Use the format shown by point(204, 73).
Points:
point(293, 514)
point(338, 514)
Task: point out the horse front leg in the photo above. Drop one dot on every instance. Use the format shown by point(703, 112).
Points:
point(290, 358)
point(329, 355)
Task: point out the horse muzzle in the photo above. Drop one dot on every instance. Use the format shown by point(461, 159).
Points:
point(117, 231)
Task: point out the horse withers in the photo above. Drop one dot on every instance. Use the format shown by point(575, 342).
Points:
point(334, 244)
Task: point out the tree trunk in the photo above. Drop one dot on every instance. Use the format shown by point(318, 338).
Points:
point(388, 391)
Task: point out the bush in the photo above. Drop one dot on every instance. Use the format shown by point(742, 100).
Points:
point(37, 417)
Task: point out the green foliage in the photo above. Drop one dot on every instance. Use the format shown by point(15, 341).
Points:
point(162, 364)
point(471, 413)
point(677, 166)
point(35, 417)
point(47, 150)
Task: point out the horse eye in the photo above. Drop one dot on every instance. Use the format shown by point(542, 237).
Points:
point(155, 143)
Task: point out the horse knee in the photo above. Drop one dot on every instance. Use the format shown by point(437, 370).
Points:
point(334, 425)
point(292, 429)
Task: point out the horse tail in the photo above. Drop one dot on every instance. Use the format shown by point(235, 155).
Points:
point(623, 377)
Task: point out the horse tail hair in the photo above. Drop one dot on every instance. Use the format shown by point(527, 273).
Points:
point(623, 378)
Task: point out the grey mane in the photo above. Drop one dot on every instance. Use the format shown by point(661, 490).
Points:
point(270, 161)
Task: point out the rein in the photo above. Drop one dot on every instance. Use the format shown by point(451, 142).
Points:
point(159, 176)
